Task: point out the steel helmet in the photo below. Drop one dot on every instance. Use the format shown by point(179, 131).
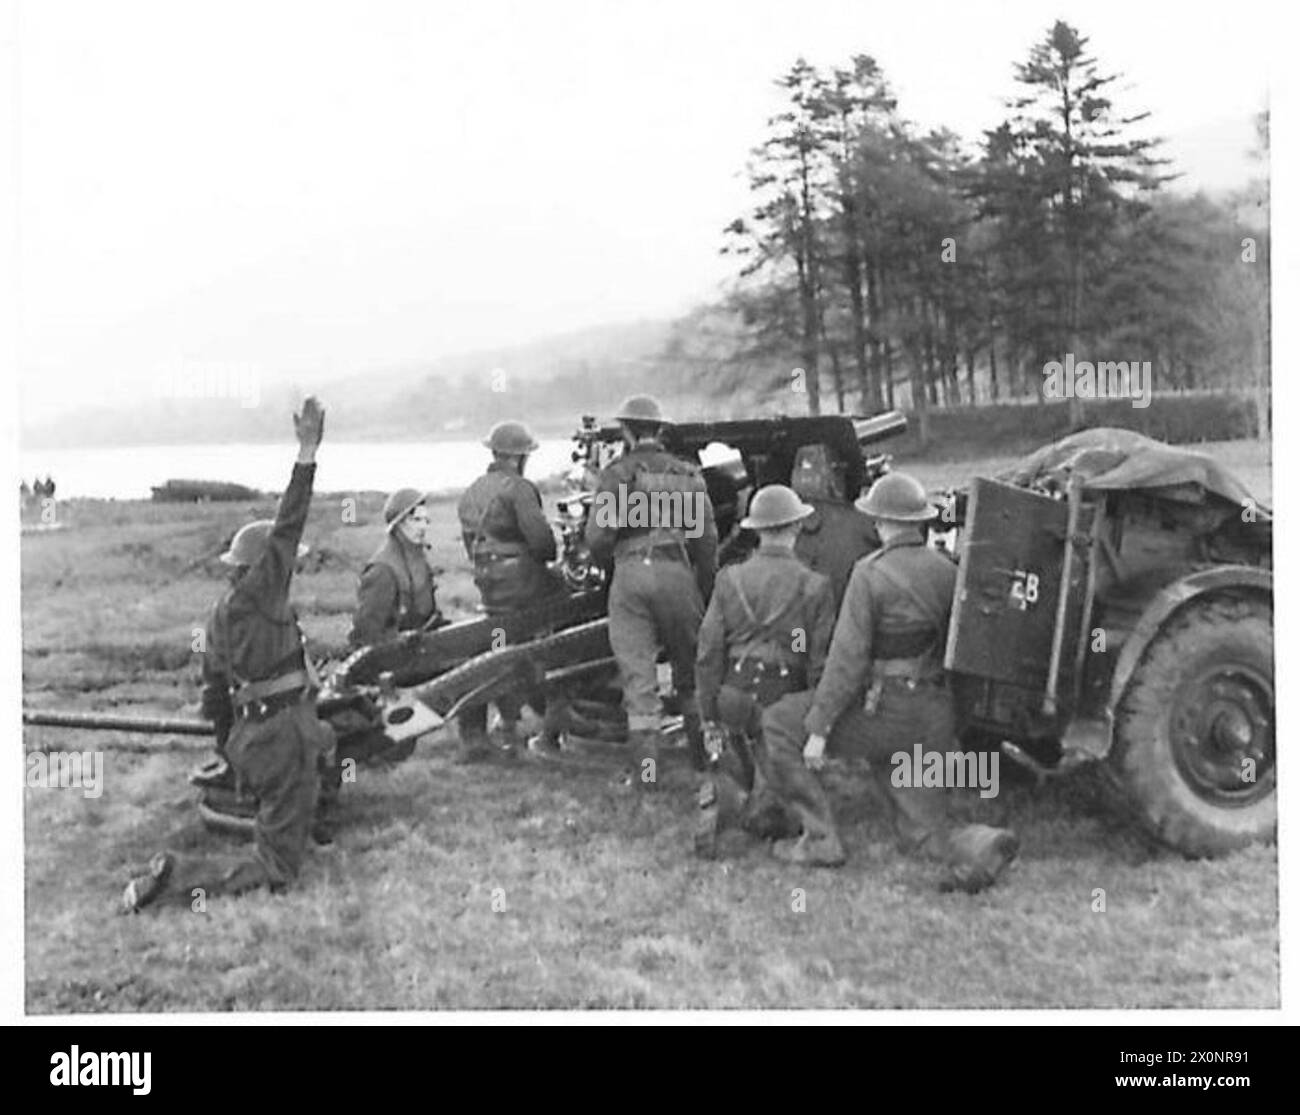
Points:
point(774, 506)
point(640, 408)
point(400, 504)
point(899, 497)
point(510, 437)
point(250, 543)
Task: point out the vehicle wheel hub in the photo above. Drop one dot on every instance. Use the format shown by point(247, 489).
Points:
point(1222, 733)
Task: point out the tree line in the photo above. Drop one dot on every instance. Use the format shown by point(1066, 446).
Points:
point(895, 267)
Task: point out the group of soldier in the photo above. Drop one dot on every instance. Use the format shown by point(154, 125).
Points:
point(38, 490)
point(827, 642)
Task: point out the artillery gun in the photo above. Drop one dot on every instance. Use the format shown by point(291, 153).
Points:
point(414, 685)
point(1113, 611)
point(383, 698)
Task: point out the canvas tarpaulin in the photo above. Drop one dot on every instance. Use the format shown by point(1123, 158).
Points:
point(1108, 459)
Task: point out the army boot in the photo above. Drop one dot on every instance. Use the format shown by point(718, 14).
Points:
point(644, 767)
point(508, 744)
point(814, 850)
point(819, 844)
point(977, 855)
point(767, 818)
point(475, 746)
point(721, 802)
point(543, 745)
point(216, 774)
point(144, 889)
point(324, 823)
point(765, 815)
point(695, 741)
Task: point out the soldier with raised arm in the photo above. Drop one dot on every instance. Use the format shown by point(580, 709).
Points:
point(259, 687)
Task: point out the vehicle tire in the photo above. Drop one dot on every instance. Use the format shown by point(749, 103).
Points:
point(1194, 753)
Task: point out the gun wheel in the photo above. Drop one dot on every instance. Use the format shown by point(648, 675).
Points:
point(1195, 741)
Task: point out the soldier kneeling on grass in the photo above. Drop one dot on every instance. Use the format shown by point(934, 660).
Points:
point(261, 689)
point(883, 690)
point(765, 635)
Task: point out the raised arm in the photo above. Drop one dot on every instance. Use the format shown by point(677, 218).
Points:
point(274, 568)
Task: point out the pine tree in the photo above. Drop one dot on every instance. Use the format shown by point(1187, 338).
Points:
point(1064, 176)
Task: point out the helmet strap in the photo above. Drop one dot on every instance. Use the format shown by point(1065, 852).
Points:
point(404, 530)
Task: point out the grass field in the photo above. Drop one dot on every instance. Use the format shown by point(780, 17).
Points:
point(535, 884)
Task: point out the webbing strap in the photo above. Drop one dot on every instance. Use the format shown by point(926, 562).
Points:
point(252, 691)
point(935, 617)
point(765, 634)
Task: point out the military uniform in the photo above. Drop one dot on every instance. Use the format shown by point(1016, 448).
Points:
point(259, 688)
point(765, 635)
point(396, 593)
point(836, 534)
point(509, 540)
point(661, 581)
point(835, 537)
point(883, 691)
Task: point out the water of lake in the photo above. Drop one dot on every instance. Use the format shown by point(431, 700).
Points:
point(130, 473)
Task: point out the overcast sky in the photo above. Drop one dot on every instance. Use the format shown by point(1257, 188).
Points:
point(327, 187)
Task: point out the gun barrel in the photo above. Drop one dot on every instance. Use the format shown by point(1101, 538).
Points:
point(105, 722)
point(881, 427)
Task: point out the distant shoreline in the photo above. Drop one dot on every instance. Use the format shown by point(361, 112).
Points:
point(549, 432)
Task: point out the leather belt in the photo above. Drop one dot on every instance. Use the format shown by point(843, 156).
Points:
point(264, 710)
point(765, 681)
point(258, 692)
point(915, 670)
point(909, 672)
point(495, 551)
point(660, 551)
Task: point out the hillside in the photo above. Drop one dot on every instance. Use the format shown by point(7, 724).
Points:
point(547, 381)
